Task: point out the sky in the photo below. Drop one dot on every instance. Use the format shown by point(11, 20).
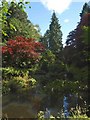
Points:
point(67, 11)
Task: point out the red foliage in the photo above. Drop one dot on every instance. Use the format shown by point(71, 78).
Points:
point(22, 48)
point(85, 21)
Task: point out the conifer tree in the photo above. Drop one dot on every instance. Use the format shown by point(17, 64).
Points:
point(52, 38)
point(55, 37)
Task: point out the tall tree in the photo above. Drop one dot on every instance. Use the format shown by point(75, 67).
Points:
point(78, 39)
point(55, 37)
point(52, 38)
point(76, 51)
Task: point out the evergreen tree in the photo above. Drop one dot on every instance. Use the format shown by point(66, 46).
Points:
point(55, 37)
point(52, 38)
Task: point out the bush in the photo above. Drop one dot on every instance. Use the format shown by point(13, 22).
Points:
point(18, 84)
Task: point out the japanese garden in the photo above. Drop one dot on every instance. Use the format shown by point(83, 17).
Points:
point(42, 78)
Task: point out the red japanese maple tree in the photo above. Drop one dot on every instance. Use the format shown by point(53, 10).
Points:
point(21, 51)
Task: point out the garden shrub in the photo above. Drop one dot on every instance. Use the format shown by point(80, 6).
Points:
point(18, 85)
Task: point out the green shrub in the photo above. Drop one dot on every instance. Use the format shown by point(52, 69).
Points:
point(18, 84)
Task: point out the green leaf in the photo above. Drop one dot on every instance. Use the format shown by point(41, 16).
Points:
point(27, 2)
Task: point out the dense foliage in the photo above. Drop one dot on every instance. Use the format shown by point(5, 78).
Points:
point(42, 73)
point(21, 52)
point(77, 51)
point(14, 21)
point(53, 37)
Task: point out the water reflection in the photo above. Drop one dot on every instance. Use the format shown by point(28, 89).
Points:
point(66, 106)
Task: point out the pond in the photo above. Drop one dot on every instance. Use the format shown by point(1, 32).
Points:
point(15, 108)
point(19, 110)
point(25, 107)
